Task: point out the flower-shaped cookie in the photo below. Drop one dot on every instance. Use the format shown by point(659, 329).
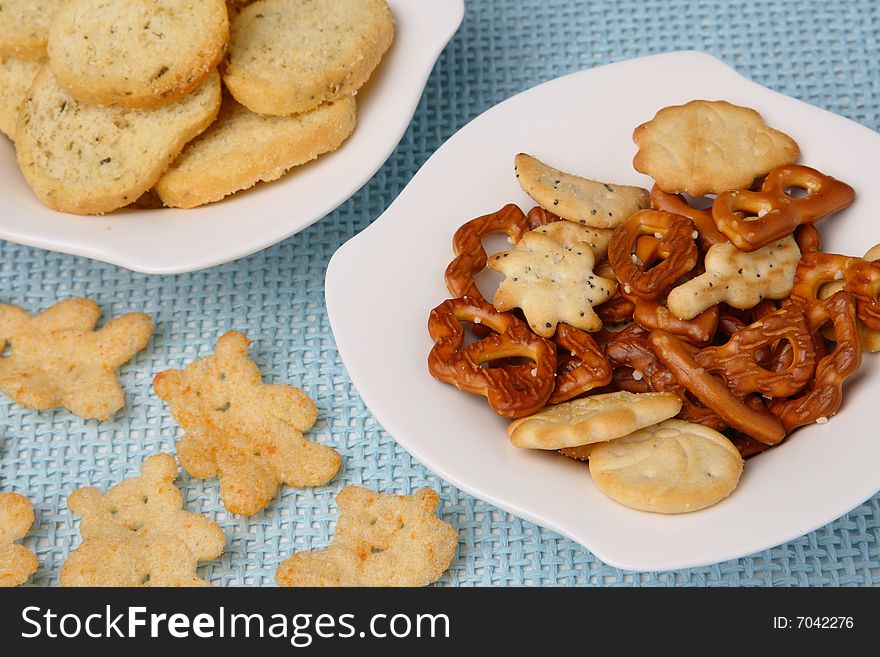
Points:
point(381, 540)
point(246, 432)
point(17, 563)
point(550, 276)
point(137, 533)
point(59, 359)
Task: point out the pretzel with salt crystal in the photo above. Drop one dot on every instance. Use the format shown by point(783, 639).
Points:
point(749, 417)
point(586, 369)
point(754, 219)
point(824, 395)
point(675, 245)
point(861, 279)
point(512, 390)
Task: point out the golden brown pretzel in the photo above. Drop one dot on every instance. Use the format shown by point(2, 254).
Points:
point(654, 315)
point(861, 279)
point(737, 360)
point(675, 244)
point(808, 238)
point(823, 397)
point(675, 203)
point(637, 369)
point(755, 219)
point(470, 256)
point(713, 392)
point(513, 390)
point(585, 369)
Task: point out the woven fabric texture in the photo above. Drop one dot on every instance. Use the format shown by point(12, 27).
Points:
point(826, 53)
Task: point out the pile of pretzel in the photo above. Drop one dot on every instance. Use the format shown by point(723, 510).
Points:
point(755, 372)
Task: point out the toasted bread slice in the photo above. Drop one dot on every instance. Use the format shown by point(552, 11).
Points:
point(16, 76)
point(289, 56)
point(87, 159)
point(243, 148)
point(136, 54)
point(24, 27)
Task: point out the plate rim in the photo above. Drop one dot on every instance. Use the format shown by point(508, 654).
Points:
point(132, 260)
point(721, 555)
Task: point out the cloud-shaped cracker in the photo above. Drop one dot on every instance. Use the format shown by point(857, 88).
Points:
point(709, 147)
point(381, 540)
point(246, 432)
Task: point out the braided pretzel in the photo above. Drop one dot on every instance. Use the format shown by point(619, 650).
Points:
point(750, 418)
point(824, 396)
point(512, 390)
point(675, 244)
point(755, 219)
point(470, 256)
point(637, 369)
point(736, 361)
point(676, 204)
point(586, 368)
point(861, 279)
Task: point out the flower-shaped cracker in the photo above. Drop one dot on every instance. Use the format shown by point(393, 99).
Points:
point(59, 359)
point(550, 276)
point(137, 533)
point(381, 540)
point(17, 563)
point(246, 432)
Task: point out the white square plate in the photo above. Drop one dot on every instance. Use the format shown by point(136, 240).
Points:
point(382, 284)
point(170, 241)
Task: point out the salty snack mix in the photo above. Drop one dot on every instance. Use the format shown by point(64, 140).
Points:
point(137, 533)
point(110, 102)
point(246, 432)
point(381, 540)
point(57, 357)
point(687, 335)
point(17, 563)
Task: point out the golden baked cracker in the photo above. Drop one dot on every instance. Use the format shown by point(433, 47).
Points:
point(739, 278)
point(583, 201)
point(58, 358)
point(709, 147)
point(17, 563)
point(579, 453)
point(246, 432)
point(16, 77)
point(381, 540)
point(552, 282)
point(570, 235)
point(137, 533)
point(593, 419)
point(671, 467)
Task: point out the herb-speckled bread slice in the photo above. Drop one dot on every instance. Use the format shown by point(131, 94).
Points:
point(243, 148)
point(16, 76)
point(87, 159)
point(289, 56)
point(24, 26)
point(134, 53)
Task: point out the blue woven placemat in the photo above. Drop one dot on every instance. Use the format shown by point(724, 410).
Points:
point(826, 53)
